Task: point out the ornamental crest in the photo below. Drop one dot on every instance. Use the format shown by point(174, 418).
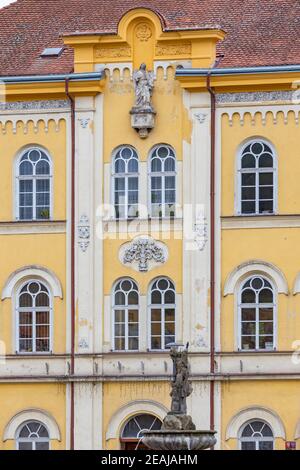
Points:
point(143, 254)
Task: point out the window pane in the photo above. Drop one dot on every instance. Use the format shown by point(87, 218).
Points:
point(170, 314)
point(26, 168)
point(133, 344)
point(169, 164)
point(156, 329)
point(133, 298)
point(42, 446)
point(266, 296)
point(133, 166)
point(248, 193)
point(119, 315)
point(133, 183)
point(156, 165)
point(26, 213)
point(266, 206)
point(248, 161)
point(133, 329)
point(266, 192)
point(248, 314)
point(248, 296)
point(156, 297)
point(156, 343)
point(155, 315)
point(248, 446)
point(266, 328)
point(25, 446)
point(266, 179)
point(248, 179)
point(156, 182)
point(266, 445)
point(248, 328)
point(170, 182)
point(120, 329)
point(169, 329)
point(266, 342)
point(248, 207)
point(248, 342)
point(168, 341)
point(266, 313)
point(42, 168)
point(120, 344)
point(42, 345)
point(133, 316)
point(265, 161)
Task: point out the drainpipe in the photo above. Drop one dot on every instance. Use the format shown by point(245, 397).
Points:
point(212, 238)
point(72, 368)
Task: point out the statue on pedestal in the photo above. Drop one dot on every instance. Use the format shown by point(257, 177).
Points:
point(143, 114)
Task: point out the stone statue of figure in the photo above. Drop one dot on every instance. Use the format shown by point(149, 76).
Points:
point(181, 387)
point(144, 84)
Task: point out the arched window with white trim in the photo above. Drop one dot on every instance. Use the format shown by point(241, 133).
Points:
point(125, 182)
point(34, 318)
point(33, 435)
point(257, 189)
point(256, 435)
point(133, 431)
point(34, 175)
point(162, 314)
point(126, 316)
point(256, 314)
point(162, 181)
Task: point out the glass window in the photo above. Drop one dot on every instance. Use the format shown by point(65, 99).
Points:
point(162, 314)
point(163, 181)
point(257, 179)
point(126, 183)
point(34, 185)
point(257, 435)
point(126, 316)
point(33, 436)
point(33, 318)
point(256, 310)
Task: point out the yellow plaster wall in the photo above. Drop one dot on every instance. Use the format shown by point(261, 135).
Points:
point(50, 398)
point(285, 139)
point(118, 395)
point(237, 395)
point(47, 250)
point(273, 246)
point(11, 144)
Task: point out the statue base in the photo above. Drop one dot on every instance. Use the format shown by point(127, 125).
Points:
point(178, 422)
point(142, 120)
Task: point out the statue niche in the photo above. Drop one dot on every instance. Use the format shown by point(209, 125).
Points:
point(142, 113)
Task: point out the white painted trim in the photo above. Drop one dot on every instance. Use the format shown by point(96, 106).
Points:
point(33, 414)
point(131, 409)
point(238, 172)
point(296, 288)
point(31, 272)
point(259, 221)
point(253, 413)
point(256, 267)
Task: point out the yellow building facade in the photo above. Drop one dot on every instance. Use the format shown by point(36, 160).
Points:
point(114, 244)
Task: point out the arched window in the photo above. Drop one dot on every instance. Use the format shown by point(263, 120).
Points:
point(126, 316)
point(257, 173)
point(256, 435)
point(34, 185)
point(32, 435)
point(163, 181)
point(33, 318)
point(134, 429)
point(126, 182)
point(256, 314)
point(163, 313)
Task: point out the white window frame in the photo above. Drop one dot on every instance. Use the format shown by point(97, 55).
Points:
point(126, 177)
point(163, 176)
point(251, 439)
point(32, 441)
point(16, 185)
point(257, 306)
point(162, 307)
point(126, 308)
point(17, 338)
point(240, 171)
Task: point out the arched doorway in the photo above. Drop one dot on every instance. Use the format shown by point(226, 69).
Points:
point(133, 431)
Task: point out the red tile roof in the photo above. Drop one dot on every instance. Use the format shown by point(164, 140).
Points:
point(260, 32)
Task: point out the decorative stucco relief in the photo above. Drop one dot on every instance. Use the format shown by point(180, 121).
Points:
point(84, 233)
point(143, 254)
